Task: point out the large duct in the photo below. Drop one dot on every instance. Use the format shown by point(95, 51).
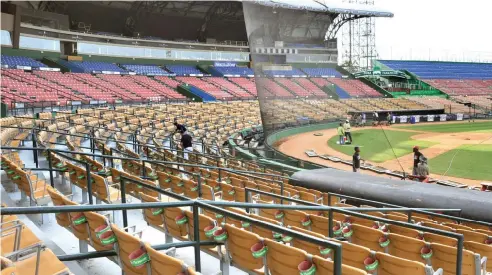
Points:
point(474, 204)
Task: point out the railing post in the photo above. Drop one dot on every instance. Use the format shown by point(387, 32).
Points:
point(50, 166)
point(196, 237)
point(459, 255)
point(89, 182)
point(246, 199)
point(338, 261)
point(282, 192)
point(123, 201)
point(409, 216)
point(220, 174)
point(143, 168)
point(35, 152)
point(199, 182)
point(330, 222)
point(111, 159)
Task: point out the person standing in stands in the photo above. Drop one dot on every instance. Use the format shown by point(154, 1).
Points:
point(356, 159)
point(341, 133)
point(180, 128)
point(346, 128)
point(186, 144)
point(416, 159)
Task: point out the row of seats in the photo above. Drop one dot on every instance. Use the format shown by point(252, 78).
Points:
point(182, 184)
point(443, 70)
point(462, 86)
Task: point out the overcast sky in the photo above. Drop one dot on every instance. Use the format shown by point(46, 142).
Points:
point(442, 29)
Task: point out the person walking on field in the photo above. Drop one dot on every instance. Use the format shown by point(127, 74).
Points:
point(346, 128)
point(356, 159)
point(416, 159)
point(341, 133)
point(422, 170)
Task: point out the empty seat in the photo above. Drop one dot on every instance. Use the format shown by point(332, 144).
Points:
point(325, 266)
point(282, 259)
point(239, 244)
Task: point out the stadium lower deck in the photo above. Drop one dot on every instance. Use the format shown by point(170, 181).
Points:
point(248, 217)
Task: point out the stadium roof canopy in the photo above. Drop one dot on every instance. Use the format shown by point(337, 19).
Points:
point(332, 6)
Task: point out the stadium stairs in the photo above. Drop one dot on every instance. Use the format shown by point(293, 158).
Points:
point(342, 94)
point(195, 93)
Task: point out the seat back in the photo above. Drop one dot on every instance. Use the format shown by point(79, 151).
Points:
point(233, 221)
point(57, 198)
point(435, 238)
point(203, 222)
point(261, 231)
point(164, 180)
point(152, 216)
point(79, 229)
point(324, 266)
point(208, 192)
point(320, 225)
point(483, 249)
point(404, 231)
point(309, 247)
point(127, 244)
point(367, 237)
point(190, 189)
point(405, 247)
point(115, 175)
point(294, 218)
point(162, 264)
point(445, 257)
point(174, 229)
point(354, 255)
point(391, 265)
point(473, 236)
point(239, 243)
point(269, 213)
point(100, 187)
point(360, 221)
point(228, 192)
point(96, 221)
point(283, 259)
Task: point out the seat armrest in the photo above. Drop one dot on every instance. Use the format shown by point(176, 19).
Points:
point(440, 271)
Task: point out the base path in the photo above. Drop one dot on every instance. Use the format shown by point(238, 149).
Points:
point(297, 145)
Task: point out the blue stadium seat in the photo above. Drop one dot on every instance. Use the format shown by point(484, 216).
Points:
point(443, 70)
point(91, 66)
point(293, 72)
point(146, 69)
point(14, 61)
point(241, 71)
point(182, 70)
point(322, 72)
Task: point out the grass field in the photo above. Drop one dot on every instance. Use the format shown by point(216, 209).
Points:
point(481, 126)
point(375, 147)
point(471, 162)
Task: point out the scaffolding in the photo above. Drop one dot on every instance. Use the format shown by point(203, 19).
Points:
point(359, 41)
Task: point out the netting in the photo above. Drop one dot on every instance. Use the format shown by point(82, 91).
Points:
point(282, 41)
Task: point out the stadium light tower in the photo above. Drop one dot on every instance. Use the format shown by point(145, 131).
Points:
point(359, 41)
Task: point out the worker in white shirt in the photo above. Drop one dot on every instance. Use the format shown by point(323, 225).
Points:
point(346, 127)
